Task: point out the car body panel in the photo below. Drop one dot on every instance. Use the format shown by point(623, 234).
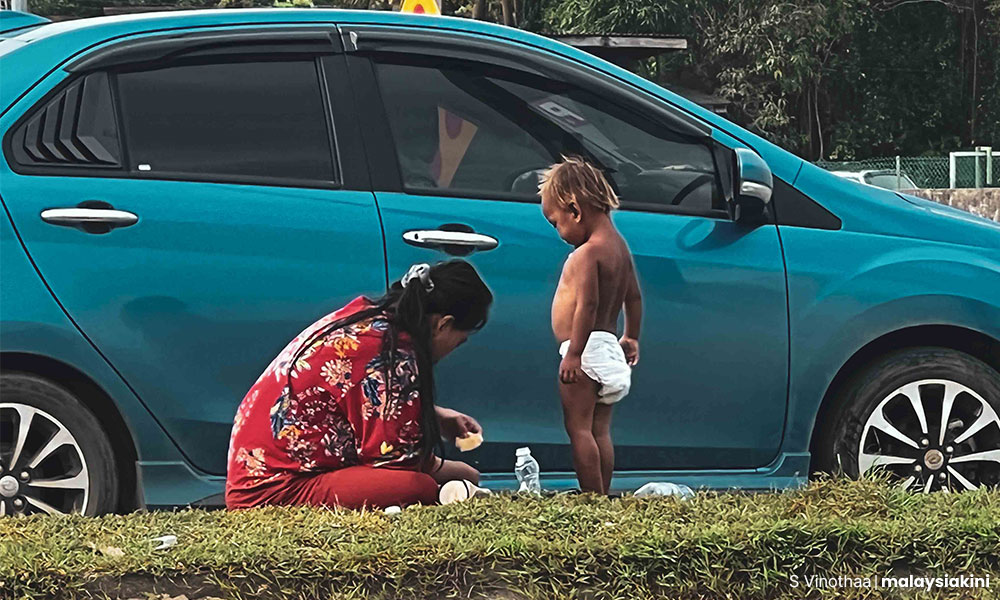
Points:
point(166, 299)
point(897, 264)
point(34, 324)
point(701, 279)
point(834, 314)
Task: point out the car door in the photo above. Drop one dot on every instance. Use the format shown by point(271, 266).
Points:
point(191, 205)
point(457, 131)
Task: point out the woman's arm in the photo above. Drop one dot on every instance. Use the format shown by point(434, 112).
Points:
point(455, 424)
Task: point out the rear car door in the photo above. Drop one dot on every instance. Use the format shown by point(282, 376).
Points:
point(192, 204)
point(457, 131)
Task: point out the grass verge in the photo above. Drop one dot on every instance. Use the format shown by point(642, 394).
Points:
point(714, 546)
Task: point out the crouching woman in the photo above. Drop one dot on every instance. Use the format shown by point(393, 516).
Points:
point(345, 415)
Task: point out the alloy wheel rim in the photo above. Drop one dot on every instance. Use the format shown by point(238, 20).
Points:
point(933, 434)
point(42, 469)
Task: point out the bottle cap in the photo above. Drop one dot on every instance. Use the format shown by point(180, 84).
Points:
point(522, 451)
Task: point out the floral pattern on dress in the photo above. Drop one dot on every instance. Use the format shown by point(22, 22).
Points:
point(337, 373)
point(330, 409)
point(253, 461)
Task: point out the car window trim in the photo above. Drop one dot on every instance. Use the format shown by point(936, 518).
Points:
point(153, 49)
point(792, 207)
point(379, 148)
point(476, 195)
point(289, 182)
point(345, 127)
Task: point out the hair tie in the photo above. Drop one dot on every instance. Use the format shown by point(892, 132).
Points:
point(421, 271)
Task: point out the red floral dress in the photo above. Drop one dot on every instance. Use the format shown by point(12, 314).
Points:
point(331, 409)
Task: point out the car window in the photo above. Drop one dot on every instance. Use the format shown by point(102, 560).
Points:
point(483, 130)
point(253, 119)
point(891, 181)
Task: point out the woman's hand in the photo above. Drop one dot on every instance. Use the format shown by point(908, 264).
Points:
point(455, 424)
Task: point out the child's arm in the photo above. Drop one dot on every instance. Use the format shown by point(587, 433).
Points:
point(584, 276)
point(633, 319)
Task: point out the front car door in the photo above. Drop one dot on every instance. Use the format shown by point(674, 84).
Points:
point(457, 131)
point(229, 220)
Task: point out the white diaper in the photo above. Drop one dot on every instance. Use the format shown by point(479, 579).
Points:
point(603, 360)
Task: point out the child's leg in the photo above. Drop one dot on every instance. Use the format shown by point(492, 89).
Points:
point(578, 400)
point(602, 435)
point(447, 470)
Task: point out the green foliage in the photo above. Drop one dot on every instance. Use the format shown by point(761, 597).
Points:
point(94, 8)
point(764, 53)
point(623, 16)
point(727, 545)
point(837, 79)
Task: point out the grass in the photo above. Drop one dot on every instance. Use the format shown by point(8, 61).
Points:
point(714, 546)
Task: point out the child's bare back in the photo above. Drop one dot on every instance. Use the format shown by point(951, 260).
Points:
point(603, 260)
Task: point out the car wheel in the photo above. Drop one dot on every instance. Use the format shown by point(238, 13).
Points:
point(928, 416)
point(54, 456)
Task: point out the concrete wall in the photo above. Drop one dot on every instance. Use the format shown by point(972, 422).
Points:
point(982, 202)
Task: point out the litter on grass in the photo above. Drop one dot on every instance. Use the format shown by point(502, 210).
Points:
point(664, 488)
point(164, 541)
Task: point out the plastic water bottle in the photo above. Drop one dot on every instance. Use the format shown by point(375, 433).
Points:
point(661, 488)
point(526, 469)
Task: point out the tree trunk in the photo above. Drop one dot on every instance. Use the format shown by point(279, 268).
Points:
point(479, 10)
point(819, 125)
point(508, 12)
point(975, 72)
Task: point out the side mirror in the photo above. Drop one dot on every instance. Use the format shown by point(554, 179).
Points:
point(754, 184)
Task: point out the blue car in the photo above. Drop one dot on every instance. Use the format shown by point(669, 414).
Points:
point(183, 192)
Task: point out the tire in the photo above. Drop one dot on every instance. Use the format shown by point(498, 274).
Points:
point(880, 399)
point(74, 468)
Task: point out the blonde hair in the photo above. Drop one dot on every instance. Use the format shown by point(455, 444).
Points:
point(576, 179)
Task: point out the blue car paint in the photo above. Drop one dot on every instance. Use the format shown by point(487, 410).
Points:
point(34, 324)
point(166, 300)
point(14, 23)
point(897, 265)
point(845, 288)
point(684, 415)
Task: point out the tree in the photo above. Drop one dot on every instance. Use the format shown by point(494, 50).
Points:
point(824, 78)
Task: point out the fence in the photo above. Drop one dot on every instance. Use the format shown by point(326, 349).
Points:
point(972, 169)
point(979, 162)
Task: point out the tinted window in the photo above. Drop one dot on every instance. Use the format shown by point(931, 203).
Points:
point(472, 128)
point(257, 119)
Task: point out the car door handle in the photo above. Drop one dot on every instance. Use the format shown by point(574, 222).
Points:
point(93, 220)
point(436, 238)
